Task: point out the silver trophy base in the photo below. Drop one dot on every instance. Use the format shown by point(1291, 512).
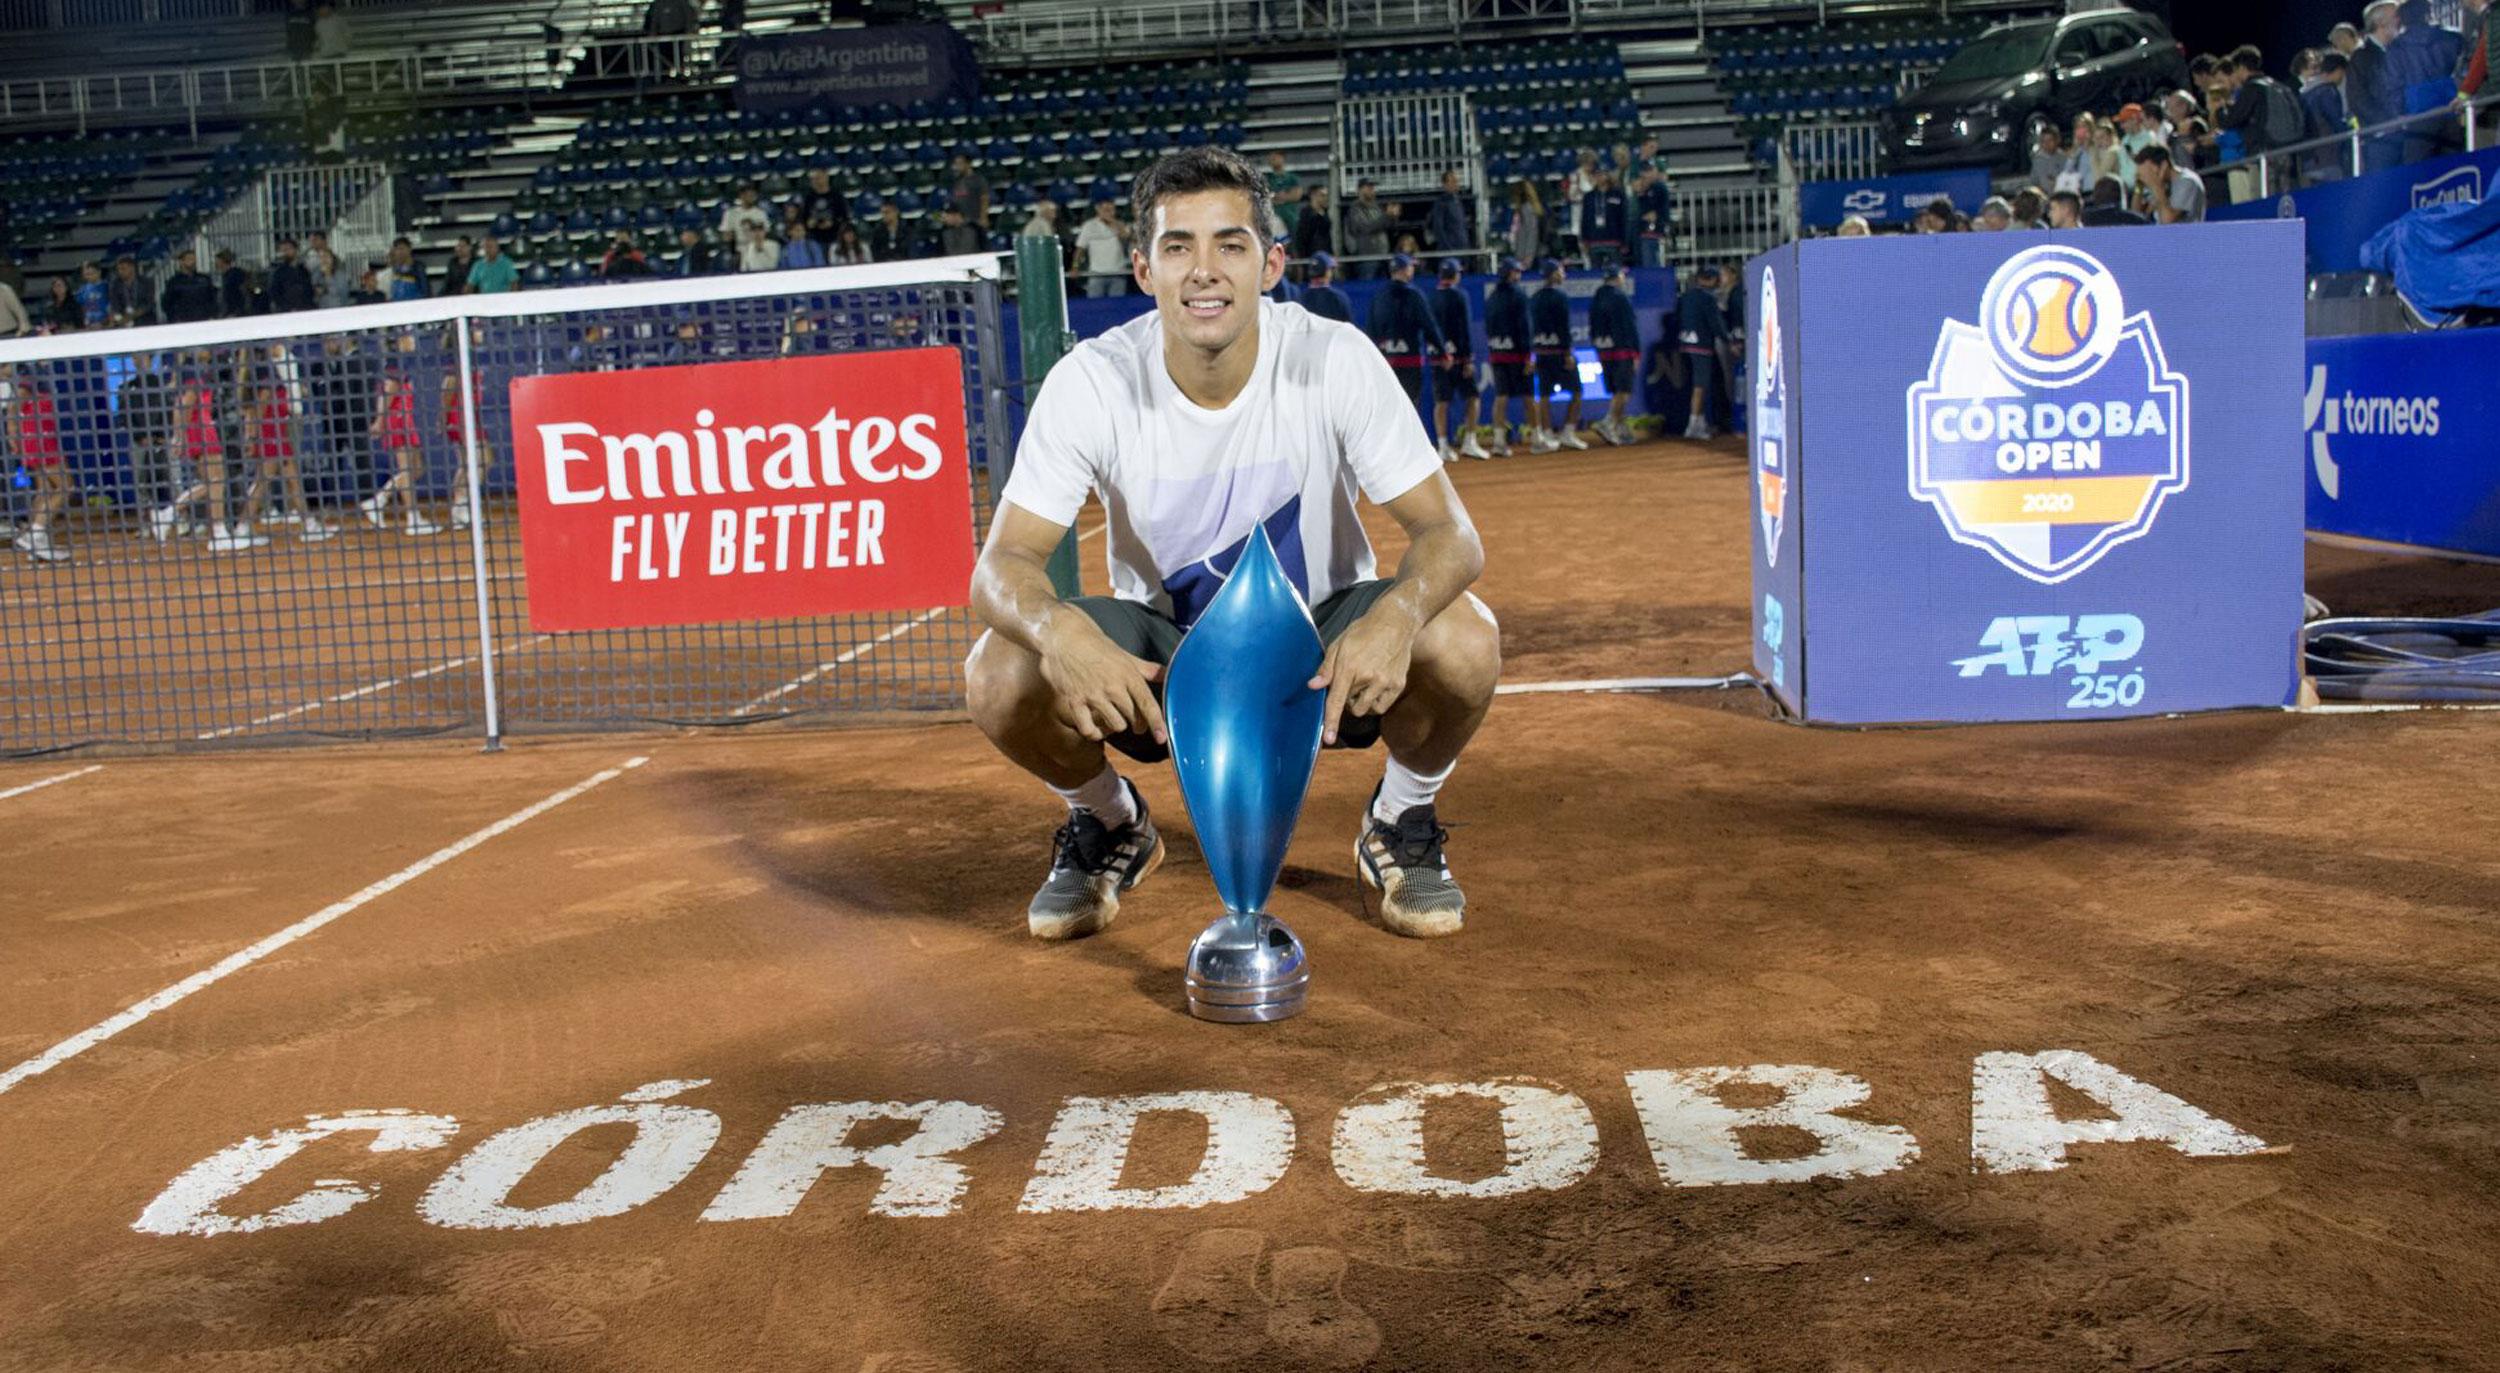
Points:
point(1247, 968)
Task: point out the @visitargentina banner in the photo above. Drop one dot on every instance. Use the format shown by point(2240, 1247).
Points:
point(744, 490)
point(894, 64)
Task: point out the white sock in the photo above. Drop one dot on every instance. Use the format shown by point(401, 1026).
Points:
point(1106, 796)
point(1402, 788)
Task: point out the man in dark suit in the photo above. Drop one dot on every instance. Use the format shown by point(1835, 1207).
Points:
point(2372, 91)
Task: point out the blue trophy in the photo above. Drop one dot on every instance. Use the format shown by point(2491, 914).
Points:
point(1245, 728)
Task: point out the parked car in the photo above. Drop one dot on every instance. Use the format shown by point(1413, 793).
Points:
point(1987, 104)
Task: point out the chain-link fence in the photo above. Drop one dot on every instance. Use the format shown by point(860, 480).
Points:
point(278, 527)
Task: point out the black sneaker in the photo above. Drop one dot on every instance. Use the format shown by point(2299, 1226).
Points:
point(1403, 862)
point(1090, 865)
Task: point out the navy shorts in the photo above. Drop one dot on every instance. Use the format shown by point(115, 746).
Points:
point(1143, 632)
point(1510, 378)
point(1618, 372)
point(1558, 372)
point(1457, 379)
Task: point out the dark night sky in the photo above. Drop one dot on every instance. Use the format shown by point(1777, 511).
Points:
point(2280, 27)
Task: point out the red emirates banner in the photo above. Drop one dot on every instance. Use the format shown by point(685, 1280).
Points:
point(744, 490)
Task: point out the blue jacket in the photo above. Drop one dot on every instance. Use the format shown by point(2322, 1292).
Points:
point(1506, 323)
point(1655, 210)
point(1602, 213)
point(1328, 302)
point(1449, 311)
point(1448, 224)
point(1613, 332)
point(1402, 324)
point(1700, 324)
point(2424, 51)
point(2324, 100)
point(1549, 320)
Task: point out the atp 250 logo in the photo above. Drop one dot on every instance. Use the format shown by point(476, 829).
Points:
point(2050, 432)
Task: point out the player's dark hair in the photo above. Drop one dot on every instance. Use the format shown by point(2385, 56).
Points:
point(1207, 168)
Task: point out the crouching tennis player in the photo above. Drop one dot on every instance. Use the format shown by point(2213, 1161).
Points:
point(1220, 412)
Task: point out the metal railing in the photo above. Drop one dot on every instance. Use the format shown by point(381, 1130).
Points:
point(1403, 143)
point(351, 203)
point(30, 16)
point(2294, 164)
point(190, 92)
point(1842, 151)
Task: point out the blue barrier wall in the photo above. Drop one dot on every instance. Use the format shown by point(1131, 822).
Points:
point(2404, 439)
point(2029, 476)
point(2340, 216)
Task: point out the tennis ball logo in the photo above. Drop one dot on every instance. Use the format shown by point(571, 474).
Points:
point(2052, 315)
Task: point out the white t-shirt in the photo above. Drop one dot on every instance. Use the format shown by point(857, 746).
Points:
point(1321, 417)
point(1105, 254)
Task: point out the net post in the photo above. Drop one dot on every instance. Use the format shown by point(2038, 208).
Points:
point(1042, 320)
point(477, 541)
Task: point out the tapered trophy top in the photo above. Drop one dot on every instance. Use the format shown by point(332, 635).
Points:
point(1245, 723)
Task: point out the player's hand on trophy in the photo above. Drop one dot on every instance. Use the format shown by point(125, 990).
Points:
point(1098, 689)
point(1365, 670)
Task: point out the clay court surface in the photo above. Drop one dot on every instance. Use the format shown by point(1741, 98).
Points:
point(2284, 920)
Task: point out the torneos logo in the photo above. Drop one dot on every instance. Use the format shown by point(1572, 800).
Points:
point(2326, 415)
point(2051, 431)
point(1770, 421)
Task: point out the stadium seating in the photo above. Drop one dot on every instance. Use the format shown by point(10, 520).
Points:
point(53, 180)
point(662, 164)
point(1537, 104)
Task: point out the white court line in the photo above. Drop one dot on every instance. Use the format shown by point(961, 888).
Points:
point(369, 689)
point(859, 651)
point(48, 781)
point(81, 1042)
point(1625, 684)
point(849, 655)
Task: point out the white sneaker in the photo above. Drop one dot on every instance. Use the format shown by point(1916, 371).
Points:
point(1618, 435)
point(1501, 442)
point(460, 515)
point(286, 517)
point(371, 509)
point(38, 546)
point(419, 525)
point(314, 531)
point(223, 539)
point(190, 529)
point(1472, 449)
point(161, 524)
point(1571, 439)
point(1542, 441)
point(1444, 450)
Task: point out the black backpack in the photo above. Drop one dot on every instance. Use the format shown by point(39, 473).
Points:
point(2282, 121)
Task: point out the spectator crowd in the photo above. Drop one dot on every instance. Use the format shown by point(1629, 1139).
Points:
point(2170, 162)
